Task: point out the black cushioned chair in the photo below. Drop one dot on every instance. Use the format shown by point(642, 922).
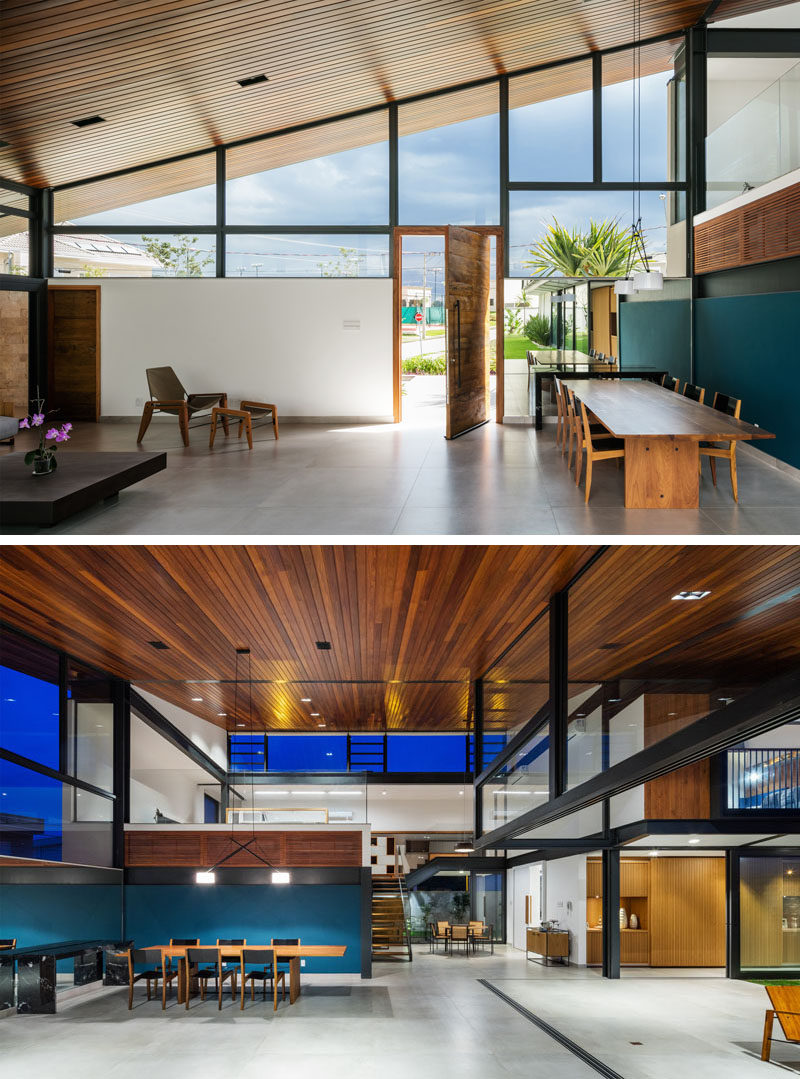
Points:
point(167, 394)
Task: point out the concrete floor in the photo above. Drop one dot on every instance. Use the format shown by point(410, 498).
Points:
point(429, 1019)
point(383, 479)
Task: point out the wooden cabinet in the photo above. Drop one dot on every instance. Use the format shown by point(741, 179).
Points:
point(594, 877)
point(594, 947)
point(553, 945)
point(634, 877)
point(687, 912)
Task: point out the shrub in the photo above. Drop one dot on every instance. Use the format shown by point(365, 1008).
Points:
point(537, 330)
point(432, 364)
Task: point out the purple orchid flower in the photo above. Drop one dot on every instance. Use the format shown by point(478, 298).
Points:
point(52, 433)
point(66, 427)
point(62, 436)
point(25, 423)
point(38, 419)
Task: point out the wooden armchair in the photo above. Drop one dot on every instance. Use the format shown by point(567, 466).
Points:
point(437, 934)
point(461, 935)
point(726, 451)
point(167, 394)
point(785, 1001)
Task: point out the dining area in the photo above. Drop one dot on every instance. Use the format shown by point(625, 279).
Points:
point(461, 938)
point(190, 974)
point(656, 428)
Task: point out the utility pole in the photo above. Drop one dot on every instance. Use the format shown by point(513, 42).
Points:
point(424, 293)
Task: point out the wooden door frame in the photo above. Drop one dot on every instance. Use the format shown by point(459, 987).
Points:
point(97, 289)
point(397, 350)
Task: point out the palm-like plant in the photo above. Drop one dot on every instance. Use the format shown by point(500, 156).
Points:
point(606, 250)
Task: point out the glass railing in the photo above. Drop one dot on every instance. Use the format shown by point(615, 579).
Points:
point(763, 779)
point(756, 144)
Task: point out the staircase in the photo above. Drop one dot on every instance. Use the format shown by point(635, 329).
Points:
point(390, 939)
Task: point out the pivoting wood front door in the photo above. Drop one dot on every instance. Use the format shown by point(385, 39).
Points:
point(73, 347)
point(467, 275)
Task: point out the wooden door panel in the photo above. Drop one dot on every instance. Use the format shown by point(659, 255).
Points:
point(467, 255)
point(74, 352)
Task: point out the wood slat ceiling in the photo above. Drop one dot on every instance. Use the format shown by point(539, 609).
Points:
point(409, 626)
point(394, 616)
point(163, 72)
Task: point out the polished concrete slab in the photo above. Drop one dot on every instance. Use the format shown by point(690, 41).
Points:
point(383, 479)
point(430, 1018)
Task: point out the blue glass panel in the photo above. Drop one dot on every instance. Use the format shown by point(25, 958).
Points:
point(366, 753)
point(30, 813)
point(29, 716)
point(308, 753)
point(426, 753)
point(492, 745)
point(247, 753)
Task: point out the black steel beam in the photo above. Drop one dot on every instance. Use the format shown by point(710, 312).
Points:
point(504, 174)
point(150, 715)
point(769, 706)
point(597, 117)
point(122, 770)
point(53, 773)
point(470, 863)
point(219, 165)
point(559, 675)
point(732, 915)
point(610, 905)
point(753, 43)
point(366, 922)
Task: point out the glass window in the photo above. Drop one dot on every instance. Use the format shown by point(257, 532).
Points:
point(753, 123)
point(522, 785)
point(306, 255)
point(107, 254)
point(535, 215)
point(517, 687)
point(337, 174)
point(14, 199)
point(90, 724)
point(247, 752)
point(14, 245)
point(367, 753)
point(31, 813)
point(550, 124)
point(769, 904)
point(448, 158)
point(29, 718)
point(307, 753)
point(642, 78)
point(183, 193)
point(426, 753)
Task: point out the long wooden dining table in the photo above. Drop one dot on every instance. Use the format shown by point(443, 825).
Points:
point(662, 431)
point(232, 953)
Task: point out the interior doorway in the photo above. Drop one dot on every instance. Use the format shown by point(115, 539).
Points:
point(446, 277)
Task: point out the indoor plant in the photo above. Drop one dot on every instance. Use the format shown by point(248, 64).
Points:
point(43, 458)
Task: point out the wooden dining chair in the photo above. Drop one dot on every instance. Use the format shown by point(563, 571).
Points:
point(292, 941)
point(609, 448)
point(460, 935)
point(694, 393)
point(167, 394)
point(179, 942)
point(575, 434)
point(670, 383)
point(214, 968)
point(153, 961)
point(8, 942)
point(262, 970)
point(559, 410)
point(725, 451)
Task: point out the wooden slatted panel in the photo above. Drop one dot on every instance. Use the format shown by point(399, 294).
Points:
point(163, 73)
point(395, 615)
point(201, 849)
point(687, 912)
point(749, 627)
point(761, 231)
point(684, 794)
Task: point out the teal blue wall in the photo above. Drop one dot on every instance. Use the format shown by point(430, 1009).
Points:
point(749, 347)
point(45, 913)
point(655, 333)
point(318, 914)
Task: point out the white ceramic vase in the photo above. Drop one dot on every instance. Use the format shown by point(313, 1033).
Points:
point(634, 922)
point(623, 918)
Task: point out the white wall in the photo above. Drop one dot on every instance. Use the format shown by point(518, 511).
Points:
point(213, 740)
point(565, 900)
point(262, 339)
point(521, 881)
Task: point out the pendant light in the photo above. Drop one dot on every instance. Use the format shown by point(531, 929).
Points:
point(466, 846)
point(209, 876)
point(648, 279)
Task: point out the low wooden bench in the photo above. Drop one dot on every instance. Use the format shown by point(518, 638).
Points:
point(785, 1001)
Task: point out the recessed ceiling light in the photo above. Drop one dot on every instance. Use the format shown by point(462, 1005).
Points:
point(222, 713)
point(88, 121)
point(197, 700)
point(322, 725)
point(323, 646)
point(460, 792)
point(694, 842)
point(305, 700)
point(313, 714)
point(692, 594)
point(383, 792)
point(240, 724)
point(157, 644)
point(252, 80)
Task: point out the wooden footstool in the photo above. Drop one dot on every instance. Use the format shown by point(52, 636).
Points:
point(240, 414)
point(259, 409)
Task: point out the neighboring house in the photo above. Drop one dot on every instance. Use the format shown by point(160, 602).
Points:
point(78, 255)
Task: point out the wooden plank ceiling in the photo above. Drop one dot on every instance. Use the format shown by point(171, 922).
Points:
point(409, 626)
point(163, 73)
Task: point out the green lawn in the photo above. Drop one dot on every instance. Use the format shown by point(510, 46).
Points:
point(774, 981)
point(515, 346)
